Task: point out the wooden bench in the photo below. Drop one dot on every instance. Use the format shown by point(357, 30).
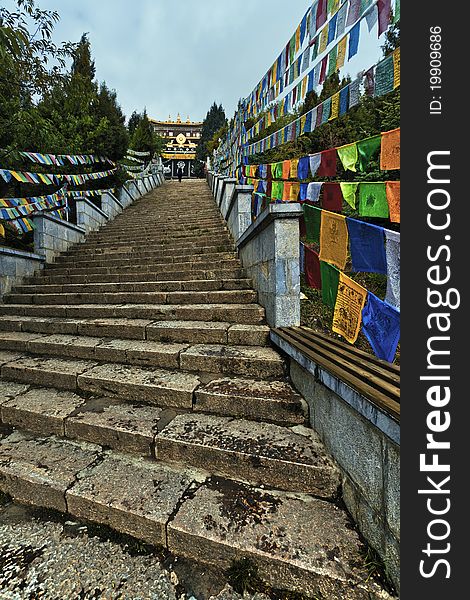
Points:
point(376, 380)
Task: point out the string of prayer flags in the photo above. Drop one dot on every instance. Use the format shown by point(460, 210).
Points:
point(59, 159)
point(348, 156)
point(367, 247)
point(384, 76)
point(136, 153)
point(381, 326)
point(392, 189)
point(332, 198)
point(349, 191)
point(350, 301)
point(333, 239)
point(328, 163)
point(390, 150)
point(392, 252)
point(312, 268)
point(312, 216)
point(329, 284)
point(373, 200)
point(367, 149)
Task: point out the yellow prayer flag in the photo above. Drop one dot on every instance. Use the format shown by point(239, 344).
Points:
point(350, 301)
point(390, 150)
point(341, 56)
point(2, 230)
point(303, 121)
point(323, 40)
point(334, 106)
point(333, 239)
point(304, 87)
point(294, 163)
point(294, 191)
point(297, 38)
point(396, 68)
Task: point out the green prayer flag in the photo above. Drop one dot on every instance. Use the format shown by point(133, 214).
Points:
point(329, 283)
point(373, 200)
point(276, 170)
point(349, 193)
point(332, 56)
point(396, 17)
point(312, 216)
point(384, 77)
point(277, 190)
point(326, 110)
point(348, 156)
point(366, 150)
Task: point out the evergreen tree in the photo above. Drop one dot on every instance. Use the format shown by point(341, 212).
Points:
point(144, 139)
point(215, 120)
point(110, 136)
point(134, 121)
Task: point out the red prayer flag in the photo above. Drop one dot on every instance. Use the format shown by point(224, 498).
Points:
point(385, 8)
point(312, 268)
point(332, 197)
point(328, 163)
point(321, 12)
point(324, 63)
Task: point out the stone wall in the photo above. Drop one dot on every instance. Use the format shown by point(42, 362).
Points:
point(89, 216)
point(110, 205)
point(15, 265)
point(53, 236)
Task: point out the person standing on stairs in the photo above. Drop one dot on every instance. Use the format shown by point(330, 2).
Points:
point(180, 174)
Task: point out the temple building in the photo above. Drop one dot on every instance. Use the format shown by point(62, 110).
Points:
point(182, 138)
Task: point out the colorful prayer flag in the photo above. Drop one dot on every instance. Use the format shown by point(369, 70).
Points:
point(334, 106)
point(348, 156)
point(393, 199)
point(312, 216)
point(329, 283)
point(381, 326)
point(373, 200)
point(390, 150)
point(384, 76)
point(354, 40)
point(349, 192)
point(350, 301)
point(366, 150)
point(392, 252)
point(333, 239)
point(332, 198)
point(328, 163)
point(367, 247)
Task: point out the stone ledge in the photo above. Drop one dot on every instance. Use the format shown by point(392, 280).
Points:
point(98, 210)
point(4, 251)
point(66, 224)
point(236, 190)
point(291, 210)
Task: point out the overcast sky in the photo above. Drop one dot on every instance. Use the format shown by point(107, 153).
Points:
point(175, 56)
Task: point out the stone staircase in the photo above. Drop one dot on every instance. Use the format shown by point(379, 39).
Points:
point(139, 390)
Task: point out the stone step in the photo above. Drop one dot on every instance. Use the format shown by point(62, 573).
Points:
point(213, 297)
point(56, 269)
point(248, 361)
point(259, 453)
point(109, 261)
point(81, 252)
point(202, 240)
point(148, 385)
point(298, 543)
point(232, 313)
point(169, 275)
point(164, 235)
point(191, 332)
point(141, 286)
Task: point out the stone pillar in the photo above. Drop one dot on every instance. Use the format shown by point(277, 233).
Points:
point(53, 236)
point(228, 186)
point(110, 205)
point(238, 215)
point(269, 251)
point(15, 265)
point(89, 216)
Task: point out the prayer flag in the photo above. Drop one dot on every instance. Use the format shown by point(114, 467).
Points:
point(341, 20)
point(350, 301)
point(326, 110)
point(367, 246)
point(294, 191)
point(332, 56)
point(312, 216)
point(392, 252)
point(384, 8)
point(393, 199)
point(343, 100)
point(396, 68)
point(348, 156)
point(313, 191)
point(332, 198)
point(332, 28)
point(303, 192)
point(372, 17)
point(334, 106)
point(286, 191)
point(390, 150)
point(328, 163)
point(373, 200)
point(349, 192)
point(381, 326)
point(277, 190)
point(286, 169)
point(366, 149)
point(329, 283)
point(312, 268)
point(303, 167)
point(333, 239)
point(321, 13)
point(294, 163)
point(384, 76)
point(341, 56)
point(369, 82)
point(323, 43)
point(354, 40)
point(354, 12)
point(354, 92)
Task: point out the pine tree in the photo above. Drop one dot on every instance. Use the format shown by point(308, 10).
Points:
point(143, 139)
point(215, 120)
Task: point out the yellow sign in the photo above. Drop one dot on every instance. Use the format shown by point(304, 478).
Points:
point(188, 156)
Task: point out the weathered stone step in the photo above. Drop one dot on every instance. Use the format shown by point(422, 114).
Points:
point(197, 297)
point(146, 260)
point(142, 286)
point(298, 542)
point(202, 240)
point(164, 235)
point(249, 361)
point(56, 269)
point(81, 252)
point(169, 275)
point(259, 453)
point(154, 386)
point(191, 332)
point(233, 313)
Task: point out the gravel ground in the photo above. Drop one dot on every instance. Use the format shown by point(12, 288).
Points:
point(44, 559)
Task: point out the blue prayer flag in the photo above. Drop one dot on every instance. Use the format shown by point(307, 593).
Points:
point(343, 100)
point(354, 40)
point(332, 29)
point(367, 245)
point(303, 167)
point(381, 326)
